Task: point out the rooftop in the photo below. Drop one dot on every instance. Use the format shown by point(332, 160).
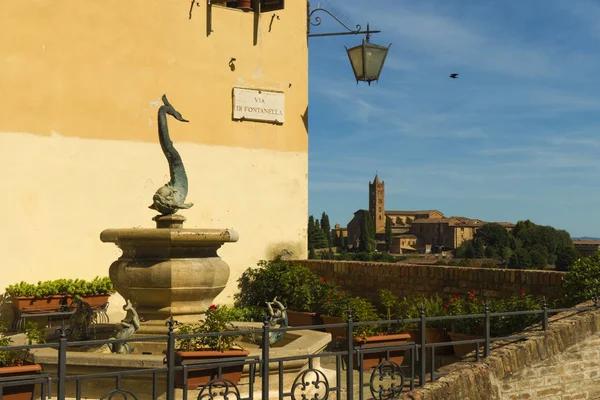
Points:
point(413, 212)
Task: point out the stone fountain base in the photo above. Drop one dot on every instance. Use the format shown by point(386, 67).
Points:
point(169, 270)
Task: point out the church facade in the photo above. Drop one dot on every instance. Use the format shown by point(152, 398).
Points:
point(413, 231)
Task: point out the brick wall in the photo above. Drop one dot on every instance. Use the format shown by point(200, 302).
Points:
point(366, 278)
point(562, 363)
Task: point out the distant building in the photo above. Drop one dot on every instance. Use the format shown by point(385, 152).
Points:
point(587, 247)
point(339, 236)
point(412, 230)
point(377, 204)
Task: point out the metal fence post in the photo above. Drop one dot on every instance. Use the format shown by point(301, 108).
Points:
point(265, 357)
point(487, 329)
point(350, 363)
point(545, 314)
point(63, 333)
point(171, 359)
point(422, 350)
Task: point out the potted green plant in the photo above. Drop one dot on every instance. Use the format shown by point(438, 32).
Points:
point(465, 328)
point(217, 319)
point(435, 331)
point(509, 324)
point(95, 292)
point(41, 297)
point(51, 295)
point(19, 363)
point(296, 286)
point(332, 306)
point(374, 335)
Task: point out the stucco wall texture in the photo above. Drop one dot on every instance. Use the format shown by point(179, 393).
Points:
point(79, 148)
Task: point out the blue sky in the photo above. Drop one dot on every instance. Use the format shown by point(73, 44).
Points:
point(517, 136)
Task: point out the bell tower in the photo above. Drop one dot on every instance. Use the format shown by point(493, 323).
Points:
point(377, 204)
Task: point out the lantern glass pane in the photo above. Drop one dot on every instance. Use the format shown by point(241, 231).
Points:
point(374, 58)
point(356, 59)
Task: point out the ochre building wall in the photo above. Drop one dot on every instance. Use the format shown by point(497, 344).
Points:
point(367, 278)
point(79, 149)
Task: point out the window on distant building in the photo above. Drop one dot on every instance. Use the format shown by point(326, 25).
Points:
point(379, 209)
point(380, 192)
point(380, 215)
point(379, 201)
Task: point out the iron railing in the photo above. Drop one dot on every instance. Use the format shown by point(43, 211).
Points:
point(387, 380)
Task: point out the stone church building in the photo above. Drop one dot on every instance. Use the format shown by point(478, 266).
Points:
point(413, 231)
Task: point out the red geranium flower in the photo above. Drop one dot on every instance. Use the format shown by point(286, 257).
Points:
point(323, 280)
point(212, 307)
point(522, 293)
point(328, 302)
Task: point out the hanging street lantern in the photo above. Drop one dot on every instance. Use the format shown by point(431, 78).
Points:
point(367, 61)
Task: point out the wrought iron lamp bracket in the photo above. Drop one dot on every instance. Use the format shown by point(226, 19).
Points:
point(316, 21)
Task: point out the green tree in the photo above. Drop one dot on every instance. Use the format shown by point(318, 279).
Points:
point(565, 257)
point(320, 239)
point(582, 281)
point(494, 235)
point(520, 259)
point(479, 248)
point(507, 252)
point(388, 234)
point(469, 250)
point(326, 227)
point(311, 233)
point(367, 233)
point(539, 256)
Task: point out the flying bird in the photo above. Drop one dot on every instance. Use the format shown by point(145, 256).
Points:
point(453, 76)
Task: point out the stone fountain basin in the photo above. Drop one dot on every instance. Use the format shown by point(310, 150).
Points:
point(294, 343)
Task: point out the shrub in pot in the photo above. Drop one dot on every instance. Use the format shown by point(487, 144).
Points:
point(217, 319)
point(19, 363)
point(374, 335)
point(294, 285)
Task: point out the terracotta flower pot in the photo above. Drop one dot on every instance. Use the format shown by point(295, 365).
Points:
point(302, 318)
point(245, 5)
point(373, 359)
point(433, 335)
point(337, 334)
point(20, 392)
point(201, 376)
point(461, 350)
point(32, 304)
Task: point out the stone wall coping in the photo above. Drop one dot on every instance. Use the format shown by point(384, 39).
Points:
point(478, 380)
point(426, 266)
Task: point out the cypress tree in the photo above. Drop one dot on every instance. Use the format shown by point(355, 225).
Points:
point(326, 227)
point(311, 233)
point(388, 234)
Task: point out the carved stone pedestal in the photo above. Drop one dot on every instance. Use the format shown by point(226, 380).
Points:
point(169, 271)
